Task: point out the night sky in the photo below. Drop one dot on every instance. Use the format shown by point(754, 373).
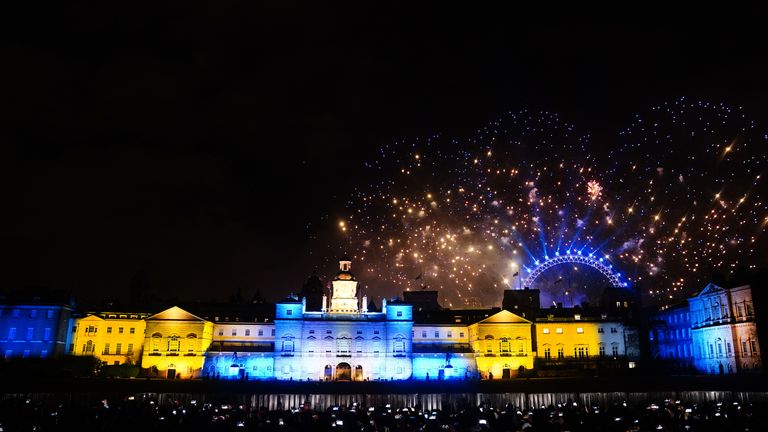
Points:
point(203, 147)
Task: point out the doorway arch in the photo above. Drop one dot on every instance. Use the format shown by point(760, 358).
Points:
point(343, 372)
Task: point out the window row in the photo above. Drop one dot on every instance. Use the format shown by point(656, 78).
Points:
point(25, 353)
point(172, 343)
point(247, 332)
point(89, 348)
point(579, 330)
point(436, 333)
point(30, 334)
point(93, 329)
point(32, 313)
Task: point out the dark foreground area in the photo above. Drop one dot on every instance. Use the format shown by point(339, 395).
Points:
point(134, 413)
point(735, 383)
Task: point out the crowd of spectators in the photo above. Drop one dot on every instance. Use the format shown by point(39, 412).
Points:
point(142, 413)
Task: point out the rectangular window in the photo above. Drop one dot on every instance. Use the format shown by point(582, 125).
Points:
point(359, 332)
point(600, 330)
point(47, 334)
point(579, 330)
point(615, 350)
point(273, 332)
point(327, 332)
point(559, 330)
point(375, 332)
point(33, 313)
point(289, 312)
point(106, 349)
point(399, 314)
point(261, 332)
point(221, 332)
point(601, 351)
point(12, 334)
point(130, 349)
point(120, 330)
point(753, 346)
point(118, 349)
point(728, 348)
point(132, 331)
point(30, 333)
point(311, 332)
point(560, 353)
point(545, 330)
point(234, 332)
point(437, 333)
point(49, 314)
point(423, 333)
point(450, 334)
point(109, 330)
point(744, 347)
point(461, 334)
point(613, 330)
point(547, 353)
point(16, 313)
point(247, 332)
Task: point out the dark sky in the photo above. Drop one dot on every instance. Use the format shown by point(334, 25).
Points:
point(203, 145)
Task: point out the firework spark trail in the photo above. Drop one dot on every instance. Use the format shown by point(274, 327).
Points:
point(677, 197)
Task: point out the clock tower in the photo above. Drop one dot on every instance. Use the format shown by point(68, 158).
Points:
point(344, 296)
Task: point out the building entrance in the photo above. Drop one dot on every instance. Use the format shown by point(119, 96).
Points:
point(344, 372)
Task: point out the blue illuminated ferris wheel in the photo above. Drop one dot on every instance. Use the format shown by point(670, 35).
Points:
point(597, 263)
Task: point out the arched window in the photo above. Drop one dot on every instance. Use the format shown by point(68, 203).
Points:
point(489, 344)
point(399, 345)
point(88, 347)
point(191, 342)
point(344, 345)
point(504, 346)
point(156, 342)
point(174, 341)
point(287, 344)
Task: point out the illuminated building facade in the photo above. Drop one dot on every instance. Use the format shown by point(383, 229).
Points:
point(579, 339)
point(175, 344)
point(241, 350)
point(723, 330)
point(671, 337)
point(112, 337)
point(502, 345)
point(35, 324)
point(346, 338)
point(441, 350)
